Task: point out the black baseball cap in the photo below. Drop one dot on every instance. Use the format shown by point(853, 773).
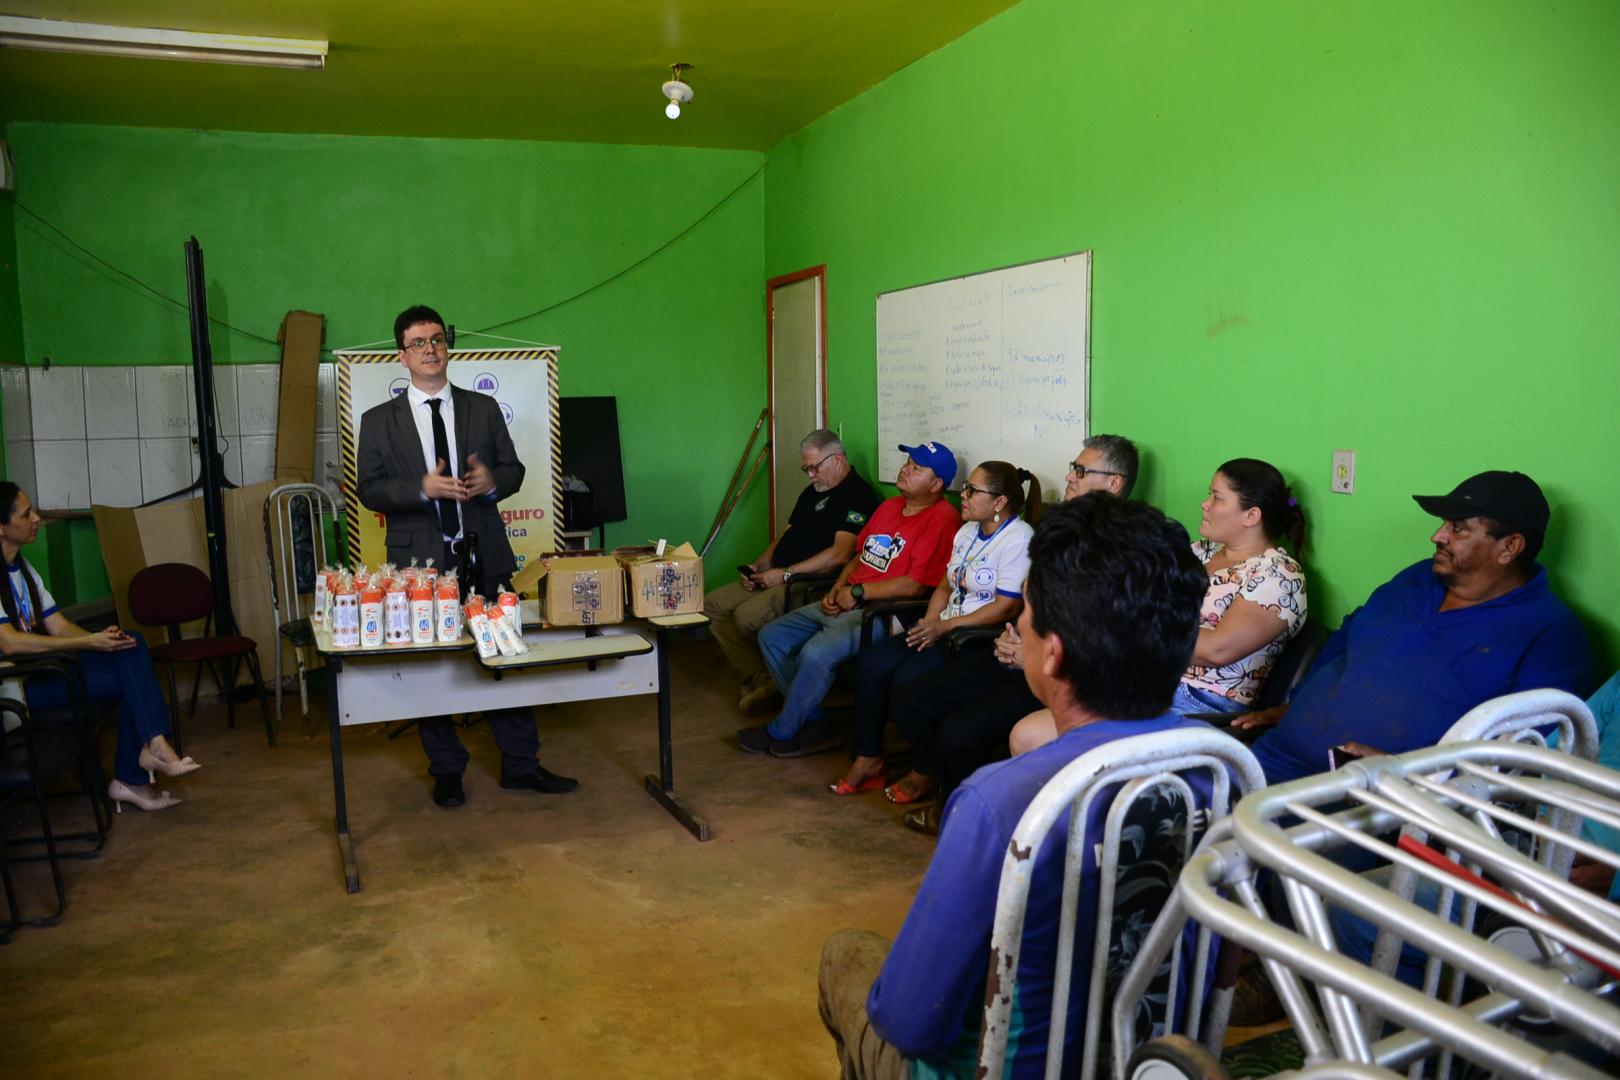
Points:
point(1509, 497)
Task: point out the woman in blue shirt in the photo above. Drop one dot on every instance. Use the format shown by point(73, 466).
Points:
point(115, 664)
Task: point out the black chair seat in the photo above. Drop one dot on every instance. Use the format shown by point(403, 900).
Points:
point(55, 749)
point(299, 632)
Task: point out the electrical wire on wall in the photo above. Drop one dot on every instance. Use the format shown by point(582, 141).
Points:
point(544, 310)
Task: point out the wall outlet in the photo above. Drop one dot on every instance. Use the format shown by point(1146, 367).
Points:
point(1344, 471)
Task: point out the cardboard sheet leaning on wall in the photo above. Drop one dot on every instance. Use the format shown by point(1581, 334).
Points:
point(173, 532)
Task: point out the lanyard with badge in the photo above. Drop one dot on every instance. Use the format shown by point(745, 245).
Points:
point(19, 590)
point(979, 546)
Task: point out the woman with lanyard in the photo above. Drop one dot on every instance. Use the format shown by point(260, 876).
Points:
point(116, 666)
point(983, 586)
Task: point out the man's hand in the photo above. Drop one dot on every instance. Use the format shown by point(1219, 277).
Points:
point(111, 639)
point(1262, 718)
point(768, 579)
point(478, 479)
point(440, 485)
point(1010, 648)
point(829, 602)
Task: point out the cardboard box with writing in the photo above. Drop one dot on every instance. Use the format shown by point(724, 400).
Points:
point(583, 591)
point(667, 584)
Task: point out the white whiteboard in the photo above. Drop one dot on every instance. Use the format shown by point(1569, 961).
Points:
point(993, 365)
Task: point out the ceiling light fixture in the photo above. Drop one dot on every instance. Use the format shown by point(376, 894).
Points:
point(676, 90)
point(55, 35)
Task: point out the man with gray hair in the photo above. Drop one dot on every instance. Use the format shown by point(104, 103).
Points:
point(819, 539)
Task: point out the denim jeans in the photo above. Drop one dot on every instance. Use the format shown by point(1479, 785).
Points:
point(802, 652)
point(1192, 699)
point(126, 677)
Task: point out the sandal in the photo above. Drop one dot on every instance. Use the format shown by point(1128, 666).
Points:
point(901, 797)
point(925, 820)
point(871, 783)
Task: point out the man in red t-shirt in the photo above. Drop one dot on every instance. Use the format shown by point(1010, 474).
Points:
point(900, 554)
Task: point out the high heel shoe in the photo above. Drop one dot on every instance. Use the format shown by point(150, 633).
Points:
point(121, 793)
point(150, 761)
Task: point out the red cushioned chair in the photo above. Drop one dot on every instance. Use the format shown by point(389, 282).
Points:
point(168, 594)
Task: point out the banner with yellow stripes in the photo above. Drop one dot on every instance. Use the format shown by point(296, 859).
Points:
point(522, 381)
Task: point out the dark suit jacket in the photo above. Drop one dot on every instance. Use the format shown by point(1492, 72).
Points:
point(390, 474)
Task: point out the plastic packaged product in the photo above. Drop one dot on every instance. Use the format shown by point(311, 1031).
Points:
point(317, 613)
point(509, 643)
point(421, 593)
point(447, 609)
point(332, 576)
point(371, 615)
point(430, 571)
point(397, 613)
point(408, 573)
point(512, 608)
point(362, 577)
point(345, 613)
point(478, 624)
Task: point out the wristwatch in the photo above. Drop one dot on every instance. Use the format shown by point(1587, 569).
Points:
point(858, 592)
point(787, 576)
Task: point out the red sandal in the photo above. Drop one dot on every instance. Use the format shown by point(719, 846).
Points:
point(901, 797)
point(871, 783)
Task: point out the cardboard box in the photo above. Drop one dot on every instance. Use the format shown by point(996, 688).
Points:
point(668, 584)
point(301, 336)
point(134, 538)
point(583, 591)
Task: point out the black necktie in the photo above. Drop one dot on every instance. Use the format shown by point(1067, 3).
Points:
point(449, 520)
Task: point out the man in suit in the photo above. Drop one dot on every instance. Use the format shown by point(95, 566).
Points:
point(438, 474)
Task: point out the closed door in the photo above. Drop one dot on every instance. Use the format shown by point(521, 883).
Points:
point(796, 365)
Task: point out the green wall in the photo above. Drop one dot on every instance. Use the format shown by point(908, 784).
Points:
point(357, 228)
point(1384, 226)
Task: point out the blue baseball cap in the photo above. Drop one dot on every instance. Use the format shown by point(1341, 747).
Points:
point(936, 456)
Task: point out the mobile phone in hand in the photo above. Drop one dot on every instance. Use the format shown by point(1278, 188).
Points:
point(745, 571)
point(1340, 756)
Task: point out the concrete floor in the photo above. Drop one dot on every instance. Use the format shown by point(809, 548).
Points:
point(521, 935)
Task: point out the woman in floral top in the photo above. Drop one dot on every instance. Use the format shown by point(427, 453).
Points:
point(1256, 597)
point(1255, 602)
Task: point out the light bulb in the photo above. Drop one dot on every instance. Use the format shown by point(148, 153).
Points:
point(673, 110)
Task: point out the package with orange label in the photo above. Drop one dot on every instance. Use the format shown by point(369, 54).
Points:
point(670, 583)
point(583, 590)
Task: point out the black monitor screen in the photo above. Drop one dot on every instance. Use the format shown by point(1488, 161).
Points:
point(589, 429)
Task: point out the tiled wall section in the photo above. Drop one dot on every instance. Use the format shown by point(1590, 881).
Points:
point(121, 436)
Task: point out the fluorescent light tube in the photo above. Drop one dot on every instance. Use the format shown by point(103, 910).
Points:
point(54, 35)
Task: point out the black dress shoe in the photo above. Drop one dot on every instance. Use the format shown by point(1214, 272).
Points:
point(448, 792)
point(541, 780)
point(754, 740)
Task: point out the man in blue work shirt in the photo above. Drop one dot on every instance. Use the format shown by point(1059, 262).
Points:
point(1476, 621)
point(1104, 678)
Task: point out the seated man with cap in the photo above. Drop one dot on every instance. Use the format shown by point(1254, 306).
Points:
point(1476, 621)
point(900, 555)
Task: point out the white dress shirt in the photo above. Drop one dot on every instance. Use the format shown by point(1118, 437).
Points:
point(422, 413)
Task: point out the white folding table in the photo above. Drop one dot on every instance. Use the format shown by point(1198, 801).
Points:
point(403, 682)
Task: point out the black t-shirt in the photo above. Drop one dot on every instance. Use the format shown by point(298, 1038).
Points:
point(819, 515)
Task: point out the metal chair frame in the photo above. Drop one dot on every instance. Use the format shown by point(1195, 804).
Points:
point(81, 729)
point(1449, 795)
point(293, 608)
point(1140, 764)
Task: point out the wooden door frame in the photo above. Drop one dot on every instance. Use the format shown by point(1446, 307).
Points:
point(819, 271)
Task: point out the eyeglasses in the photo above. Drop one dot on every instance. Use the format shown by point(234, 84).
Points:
point(807, 469)
point(970, 490)
point(1083, 471)
point(419, 344)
